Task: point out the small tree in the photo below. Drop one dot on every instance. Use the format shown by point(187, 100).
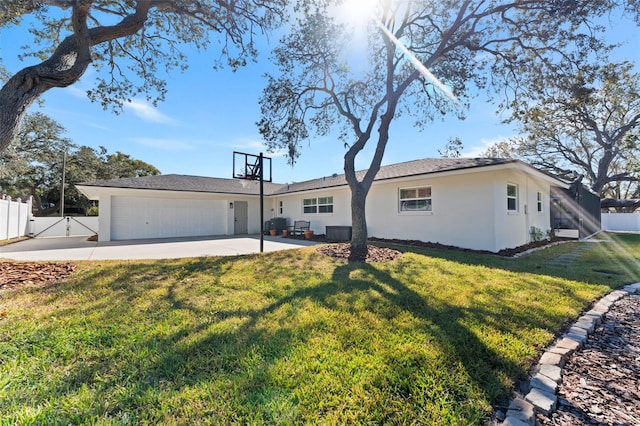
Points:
point(464, 43)
point(131, 40)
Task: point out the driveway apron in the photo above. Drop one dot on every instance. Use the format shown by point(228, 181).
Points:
point(79, 248)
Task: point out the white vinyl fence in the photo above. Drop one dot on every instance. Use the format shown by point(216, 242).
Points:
point(14, 219)
point(70, 226)
point(621, 222)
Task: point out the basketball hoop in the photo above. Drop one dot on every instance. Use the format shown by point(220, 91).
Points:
point(248, 167)
point(251, 167)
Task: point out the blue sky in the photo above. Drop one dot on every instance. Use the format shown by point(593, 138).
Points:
point(208, 114)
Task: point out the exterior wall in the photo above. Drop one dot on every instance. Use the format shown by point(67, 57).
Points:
point(469, 208)
point(462, 211)
point(628, 222)
point(513, 229)
point(214, 207)
point(292, 208)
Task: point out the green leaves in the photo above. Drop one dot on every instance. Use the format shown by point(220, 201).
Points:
point(33, 165)
point(133, 45)
point(585, 122)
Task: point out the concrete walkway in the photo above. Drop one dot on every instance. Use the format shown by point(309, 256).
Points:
point(567, 260)
point(79, 248)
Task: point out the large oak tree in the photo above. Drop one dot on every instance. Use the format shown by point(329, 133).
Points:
point(131, 41)
point(584, 122)
point(467, 44)
point(33, 164)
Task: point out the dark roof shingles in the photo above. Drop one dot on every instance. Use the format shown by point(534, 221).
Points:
point(408, 168)
point(186, 183)
point(173, 182)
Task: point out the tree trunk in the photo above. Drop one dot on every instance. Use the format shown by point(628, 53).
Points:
point(37, 202)
point(360, 189)
point(359, 234)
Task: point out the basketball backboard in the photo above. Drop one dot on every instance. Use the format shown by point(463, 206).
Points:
point(247, 166)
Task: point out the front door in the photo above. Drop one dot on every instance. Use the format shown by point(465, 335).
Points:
point(240, 217)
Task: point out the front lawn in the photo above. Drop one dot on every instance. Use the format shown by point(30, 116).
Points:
point(292, 337)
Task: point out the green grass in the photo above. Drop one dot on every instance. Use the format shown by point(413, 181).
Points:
point(292, 337)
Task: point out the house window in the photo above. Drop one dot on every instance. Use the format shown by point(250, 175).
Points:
point(325, 205)
point(310, 205)
point(512, 197)
point(415, 199)
point(317, 205)
point(539, 201)
point(280, 206)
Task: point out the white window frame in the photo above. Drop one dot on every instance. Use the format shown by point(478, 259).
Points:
point(309, 203)
point(325, 203)
point(539, 204)
point(317, 204)
point(280, 206)
point(513, 197)
point(402, 202)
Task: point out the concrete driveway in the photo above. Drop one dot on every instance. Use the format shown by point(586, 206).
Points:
point(78, 248)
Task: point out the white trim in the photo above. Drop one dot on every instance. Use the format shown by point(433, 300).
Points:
point(317, 205)
point(428, 198)
point(539, 202)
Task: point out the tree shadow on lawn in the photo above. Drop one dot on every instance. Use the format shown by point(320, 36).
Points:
point(238, 346)
point(587, 268)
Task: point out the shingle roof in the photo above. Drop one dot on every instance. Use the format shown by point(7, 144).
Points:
point(174, 182)
point(406, 169)
point(186, 183)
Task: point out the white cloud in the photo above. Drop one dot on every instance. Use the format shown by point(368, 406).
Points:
point(99, 127)
point(478, 150)
point(77, 92)
point(148, 112)
point(255, 146)
point(163, 144)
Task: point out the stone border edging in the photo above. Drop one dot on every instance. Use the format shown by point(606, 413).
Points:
point(543, 386)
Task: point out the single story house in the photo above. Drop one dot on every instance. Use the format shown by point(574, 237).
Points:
point(477, 203)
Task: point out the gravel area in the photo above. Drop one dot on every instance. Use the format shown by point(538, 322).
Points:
point(601, 382)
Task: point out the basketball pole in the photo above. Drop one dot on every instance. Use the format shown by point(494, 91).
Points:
point(261, 205)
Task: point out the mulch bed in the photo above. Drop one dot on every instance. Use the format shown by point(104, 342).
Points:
point(374, 253)
point(510, 252)
point(600, 382)
point(18, 274)
point(382, 254)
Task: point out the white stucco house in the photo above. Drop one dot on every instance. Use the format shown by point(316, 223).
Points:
point(477, 203)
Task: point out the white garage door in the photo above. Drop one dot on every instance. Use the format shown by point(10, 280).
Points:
point(137, 217)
